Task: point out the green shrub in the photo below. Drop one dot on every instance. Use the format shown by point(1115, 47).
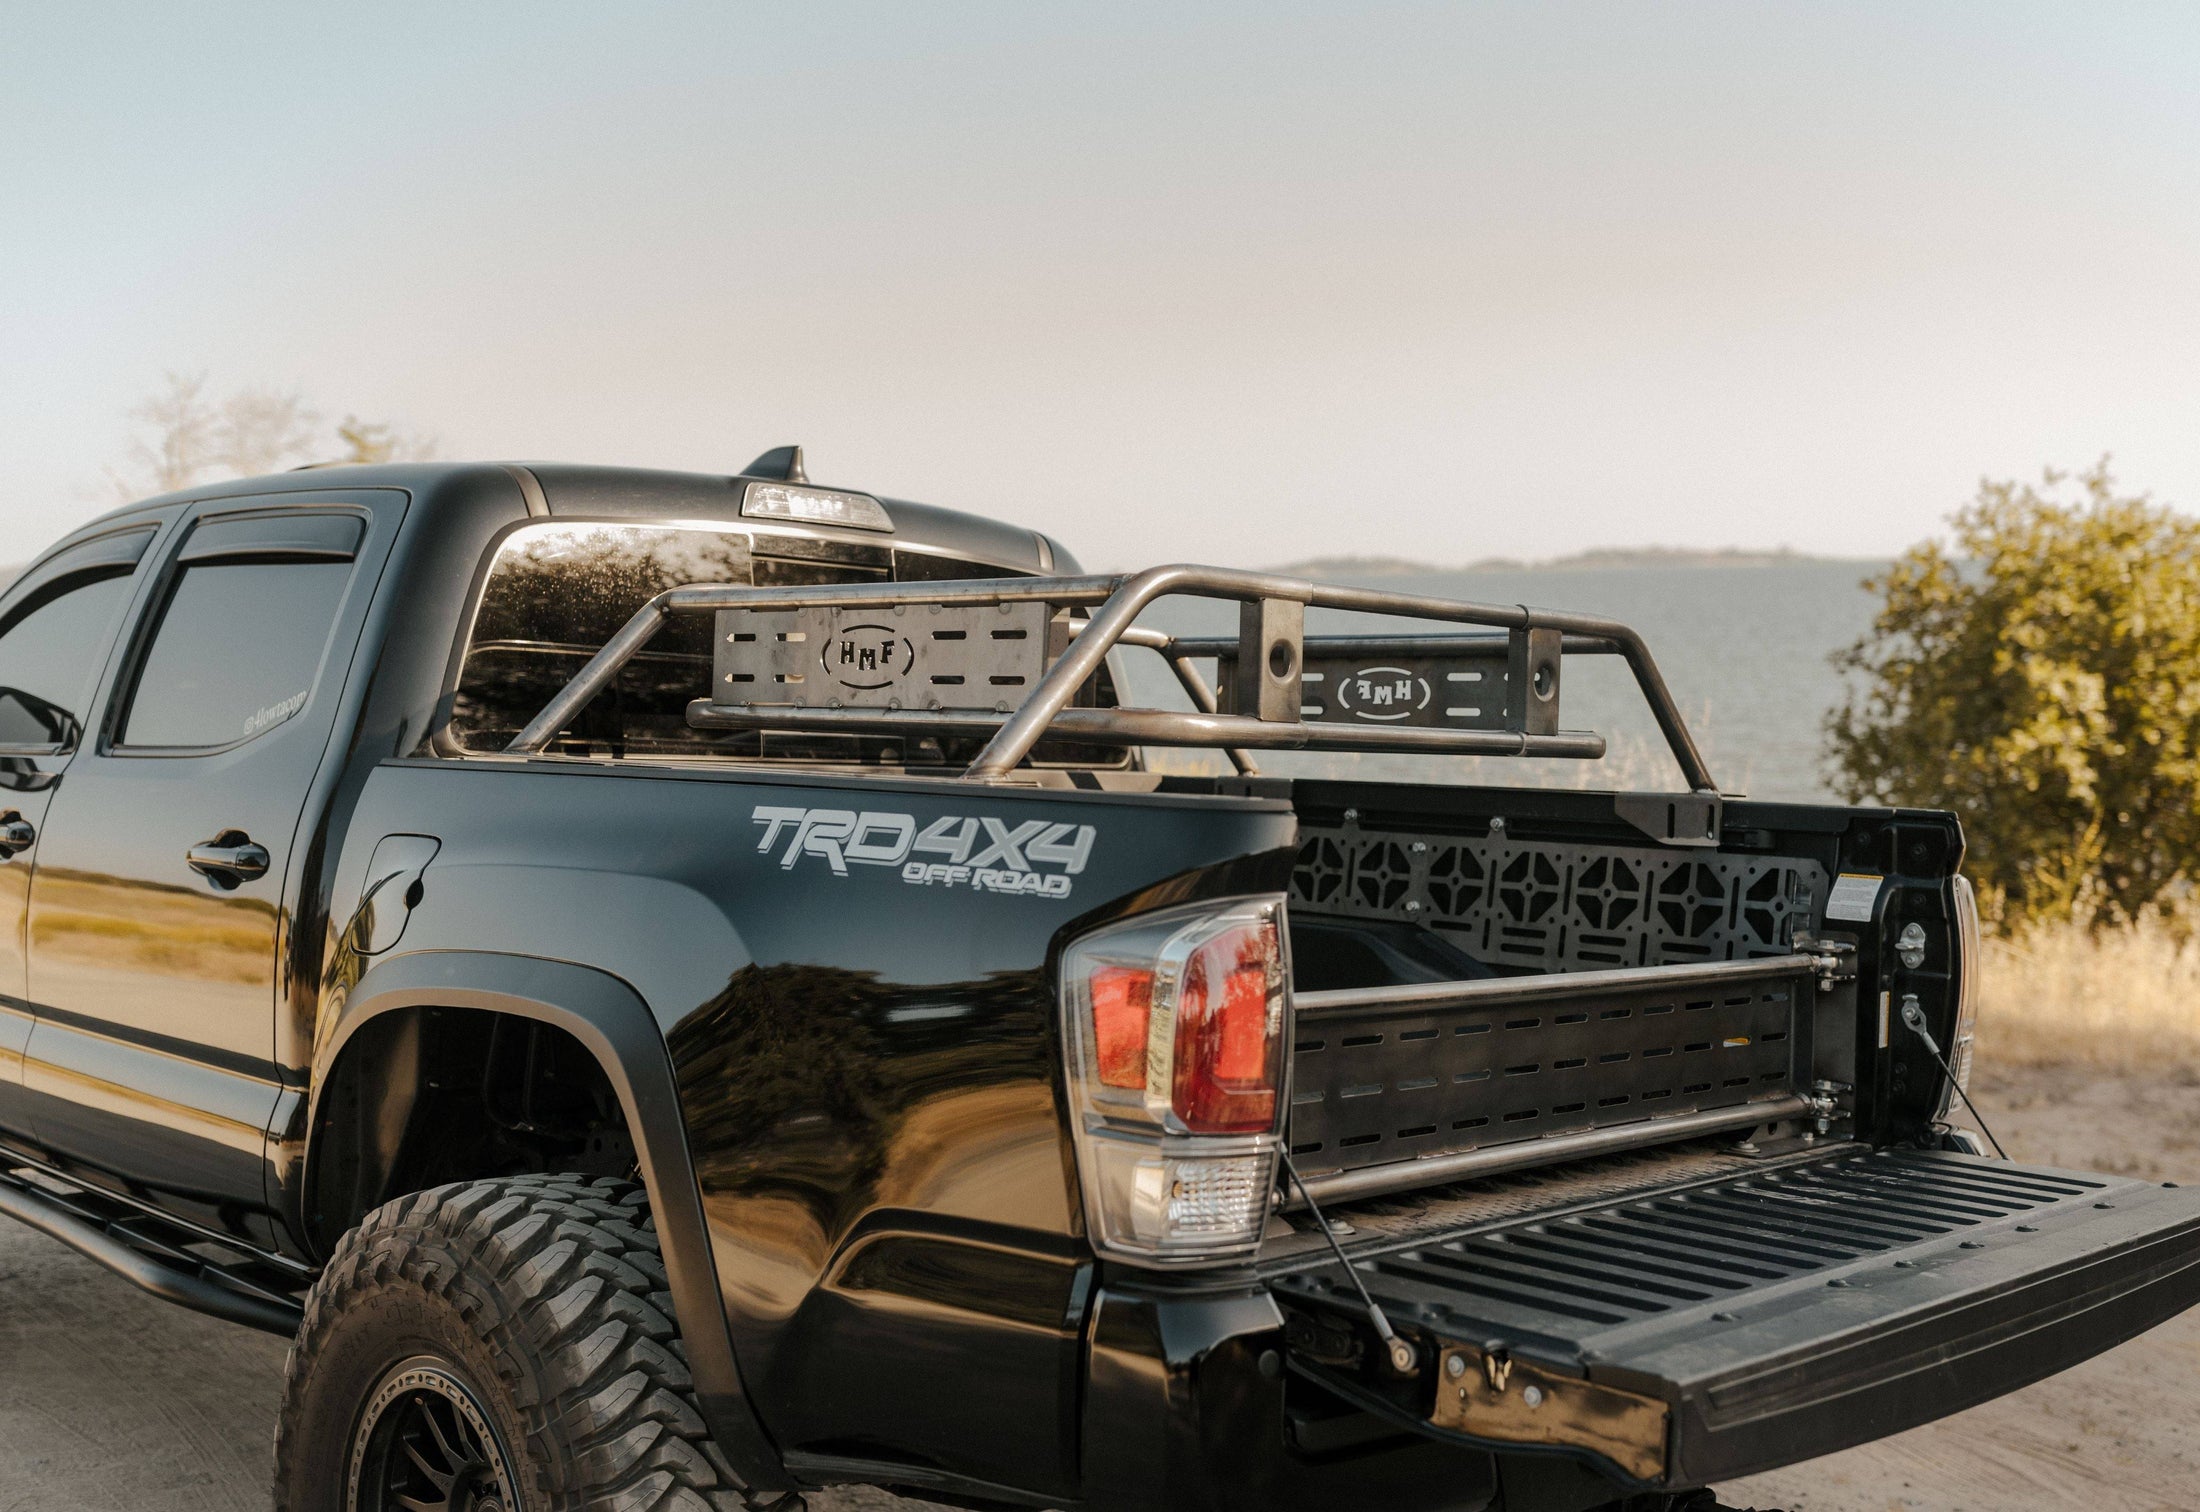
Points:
point(2041, 677)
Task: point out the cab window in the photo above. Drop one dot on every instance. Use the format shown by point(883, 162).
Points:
point(54, 639)
point(243, 634)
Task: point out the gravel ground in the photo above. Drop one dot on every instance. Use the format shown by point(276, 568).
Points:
point(112, 1402)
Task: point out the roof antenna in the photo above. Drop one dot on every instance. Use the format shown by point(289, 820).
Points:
point(783, 462)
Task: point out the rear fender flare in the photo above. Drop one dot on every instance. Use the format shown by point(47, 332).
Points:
point(609, 1018)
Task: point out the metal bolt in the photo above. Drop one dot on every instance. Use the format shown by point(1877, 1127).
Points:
point(1455, 1365)
point(1352, 816)
point(1497, 824)
point(1532, 1395)
point(1419, 846)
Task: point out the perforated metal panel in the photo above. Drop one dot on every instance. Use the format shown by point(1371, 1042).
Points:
point(890, 657)
point(1557, 907)
point(1374, 1085)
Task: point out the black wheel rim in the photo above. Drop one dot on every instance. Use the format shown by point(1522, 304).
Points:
point(425, 1444)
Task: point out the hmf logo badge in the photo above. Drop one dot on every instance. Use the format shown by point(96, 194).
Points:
point(867, 657)
point(1034, 857)
point(1382, 694)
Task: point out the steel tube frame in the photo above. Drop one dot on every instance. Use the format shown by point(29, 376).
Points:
point(1327, 1006)
point(1466, 647)
point(1405, 1175)
point(1117, 601)
point(1135, 727)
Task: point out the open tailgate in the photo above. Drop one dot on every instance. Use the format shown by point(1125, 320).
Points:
point(1712, 1331)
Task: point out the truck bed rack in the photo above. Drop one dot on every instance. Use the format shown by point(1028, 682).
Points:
point(954, 669)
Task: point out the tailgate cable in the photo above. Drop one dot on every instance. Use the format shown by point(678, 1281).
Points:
point(1913, 1019)
point(1402, 1355)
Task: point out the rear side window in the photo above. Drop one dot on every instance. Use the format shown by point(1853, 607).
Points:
point(236, 653)
point(50, 655)
point(556, 592)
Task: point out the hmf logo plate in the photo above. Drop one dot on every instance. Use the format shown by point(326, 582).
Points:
point(897, 656)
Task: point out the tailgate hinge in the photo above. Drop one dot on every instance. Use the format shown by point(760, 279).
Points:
point(1492, 1395)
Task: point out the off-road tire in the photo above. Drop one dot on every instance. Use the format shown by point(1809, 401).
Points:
point(546, 1296)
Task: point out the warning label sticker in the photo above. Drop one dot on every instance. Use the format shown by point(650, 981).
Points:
point(1854, 893)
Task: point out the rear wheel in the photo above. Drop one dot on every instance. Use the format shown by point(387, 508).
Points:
point(497, 1346)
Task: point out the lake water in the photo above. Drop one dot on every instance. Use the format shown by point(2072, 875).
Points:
point(1744, 649)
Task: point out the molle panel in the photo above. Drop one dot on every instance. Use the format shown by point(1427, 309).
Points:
point(1550, 906)
point(1371, 1088)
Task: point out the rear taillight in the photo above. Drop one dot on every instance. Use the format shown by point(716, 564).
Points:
point(1175, 1039)
point(1229, 1022)
point(1968, 945)
point(1122, 1009)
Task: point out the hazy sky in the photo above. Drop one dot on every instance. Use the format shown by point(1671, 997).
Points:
point(1234, 282)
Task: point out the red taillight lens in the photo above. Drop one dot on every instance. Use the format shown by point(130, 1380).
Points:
point(1229, 1017)
point(1122, 1008)
point(1174, 1028)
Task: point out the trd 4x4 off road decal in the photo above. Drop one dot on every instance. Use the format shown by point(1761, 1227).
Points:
point(988, 854)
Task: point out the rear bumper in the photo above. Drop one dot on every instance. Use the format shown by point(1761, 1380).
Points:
point(1187, 1407)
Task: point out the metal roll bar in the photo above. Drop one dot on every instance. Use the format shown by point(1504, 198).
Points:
point(1265, 662)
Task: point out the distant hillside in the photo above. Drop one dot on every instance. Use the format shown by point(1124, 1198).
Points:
point(1601, 559)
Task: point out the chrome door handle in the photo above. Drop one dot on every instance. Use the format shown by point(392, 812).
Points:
point(16, 836)
point(228, 859)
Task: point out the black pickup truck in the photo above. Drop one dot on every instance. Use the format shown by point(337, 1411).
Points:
point(676, 990)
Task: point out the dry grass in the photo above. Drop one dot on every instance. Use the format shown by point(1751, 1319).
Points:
point(2123, 999)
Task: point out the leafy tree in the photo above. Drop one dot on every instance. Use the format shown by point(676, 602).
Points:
point(265, 430)
point(378, 441)
point(2041, 677)
point(185, 436)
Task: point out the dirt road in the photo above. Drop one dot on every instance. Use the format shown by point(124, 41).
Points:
point(111, 1402)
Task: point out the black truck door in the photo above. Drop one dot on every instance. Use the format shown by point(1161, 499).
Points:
point(158, 909)
point(57, 624)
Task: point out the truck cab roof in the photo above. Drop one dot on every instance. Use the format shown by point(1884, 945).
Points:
point(581, 491)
